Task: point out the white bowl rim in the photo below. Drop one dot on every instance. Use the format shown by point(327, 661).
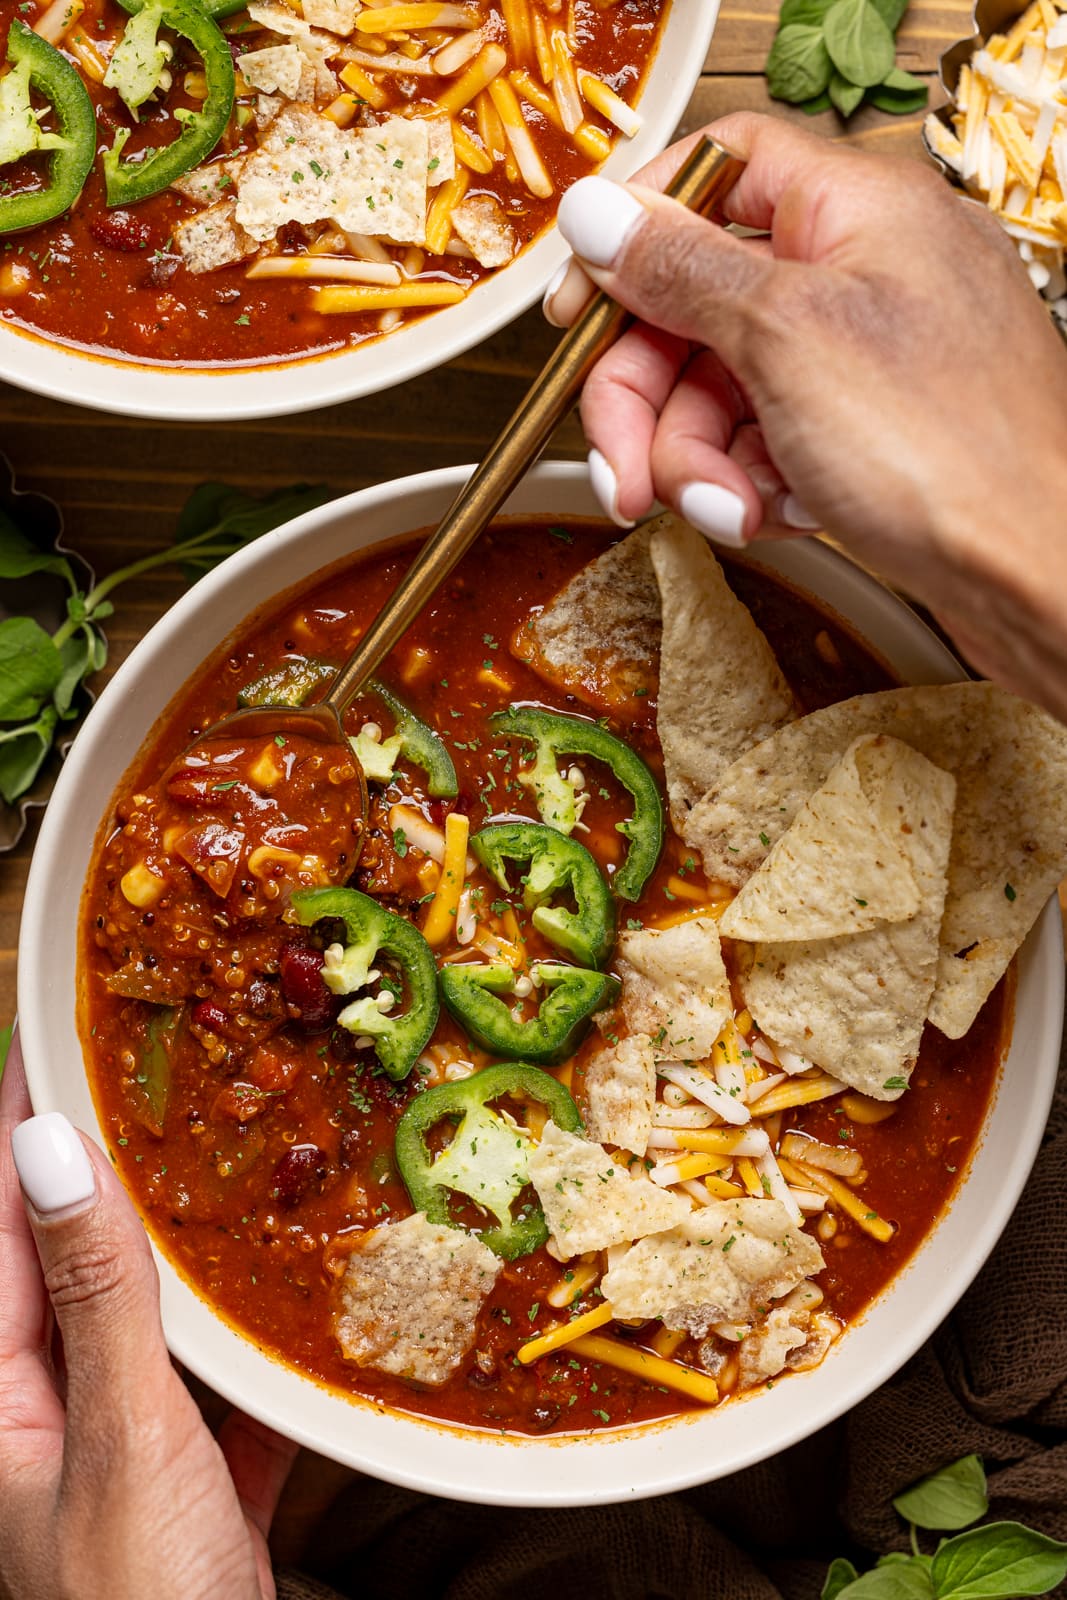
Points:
point(101, 382)
point(631, 1463)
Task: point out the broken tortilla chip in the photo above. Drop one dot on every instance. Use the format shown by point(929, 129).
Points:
point(675, 987)
point(843, 865)
point(855, 1004)
point(1009, 843)
point(721, 689)
point(599, 637)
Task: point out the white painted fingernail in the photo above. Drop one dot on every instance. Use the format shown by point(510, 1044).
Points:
point(718, 513)
point(796, 515)
point(555, 285)
point(596, 217)
point(51, 1162)
point(606, 488)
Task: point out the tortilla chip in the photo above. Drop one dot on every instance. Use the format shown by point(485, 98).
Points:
point(720, 688)
point(483, 226)
point(306, 169)
point(599, 637)
point(1009, 845)
point(620, 1093)
point(856, 1004)
point(675, 988)
point(591, 1200)
point(721, 1264)
point(843, 865)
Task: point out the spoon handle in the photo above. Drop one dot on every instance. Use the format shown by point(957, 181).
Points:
point(705, 178)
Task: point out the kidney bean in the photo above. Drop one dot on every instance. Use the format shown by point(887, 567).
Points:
point(120, 230)
point(209, 1014)
point(297, 1170)
point(313, 1005)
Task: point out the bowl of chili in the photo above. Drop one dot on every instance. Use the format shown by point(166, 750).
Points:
point(252, 1341)
point(242, 211)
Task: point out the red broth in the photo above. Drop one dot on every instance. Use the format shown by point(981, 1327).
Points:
point(114, 281)
point(250, 1210)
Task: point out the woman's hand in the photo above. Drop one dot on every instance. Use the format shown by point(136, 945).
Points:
point(110, 1482)
point(878, 365)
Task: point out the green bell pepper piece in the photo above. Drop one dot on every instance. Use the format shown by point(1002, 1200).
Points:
point(556, 735)
point(214, 8)
point(488, 1158)
point(150, 1088)
point(555, 862)
point(127, 182)
point(287, 685)
point(292, 683)
point(371, 932)
point(420, 744)
point(471, 994)
point(39, 65)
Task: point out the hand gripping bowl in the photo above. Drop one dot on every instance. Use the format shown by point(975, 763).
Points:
point(484, 1467)
point(186, 394)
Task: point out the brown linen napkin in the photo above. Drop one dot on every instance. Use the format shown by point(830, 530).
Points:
point(993, 1380)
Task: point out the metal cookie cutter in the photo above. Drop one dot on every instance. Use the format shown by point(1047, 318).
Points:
point(989, 17)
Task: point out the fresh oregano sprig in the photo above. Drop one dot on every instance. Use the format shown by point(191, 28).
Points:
point(40, 672)
point(1000, 1561)
point(841, 53)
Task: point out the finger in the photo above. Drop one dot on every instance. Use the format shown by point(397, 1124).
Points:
point(620, 405)
point(783, 513)
point(780, 160)
point(692, 468)
point(102, 1285)
point(23, 1302)
point(672, 269)
point(568, 293)
point(259, 1461)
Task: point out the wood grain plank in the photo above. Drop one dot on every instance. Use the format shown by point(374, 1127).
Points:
point(744, 33)
point(868, 129)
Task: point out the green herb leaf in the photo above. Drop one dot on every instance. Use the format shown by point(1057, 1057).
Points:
point(858, 42)
point(901, 1580)
point(30, 668)
point(898, 102)
point(946, 1500)
point(899, 79)
point(19, 556)
point(217, 520)
point(847, 97)
point(22, 753)
point(5, 1046)
point(810, 12)
point(891, 12)
point(840, 1575)
point(819, 102)
point(1002, 1561)
point(798, 65)
point(82, 655)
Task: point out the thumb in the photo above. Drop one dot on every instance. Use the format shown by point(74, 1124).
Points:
point(99, 1276)
point(667, 265)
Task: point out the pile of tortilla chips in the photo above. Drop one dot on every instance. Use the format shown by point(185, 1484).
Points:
point(888, 854)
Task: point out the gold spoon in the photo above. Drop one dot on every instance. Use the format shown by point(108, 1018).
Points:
point(701, 183)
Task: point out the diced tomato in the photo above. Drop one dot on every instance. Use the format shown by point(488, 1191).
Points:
point(274, 1067)
point(200, 786)
point(239, 1102)
point(212, 849)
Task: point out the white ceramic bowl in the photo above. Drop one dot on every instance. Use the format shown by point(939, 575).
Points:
point(187, 394)
point(427, 1456)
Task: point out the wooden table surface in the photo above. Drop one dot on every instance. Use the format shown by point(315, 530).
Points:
point(121, 482)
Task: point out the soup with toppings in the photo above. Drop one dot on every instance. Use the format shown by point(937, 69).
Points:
point(456, 1103)
point(246, 183)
